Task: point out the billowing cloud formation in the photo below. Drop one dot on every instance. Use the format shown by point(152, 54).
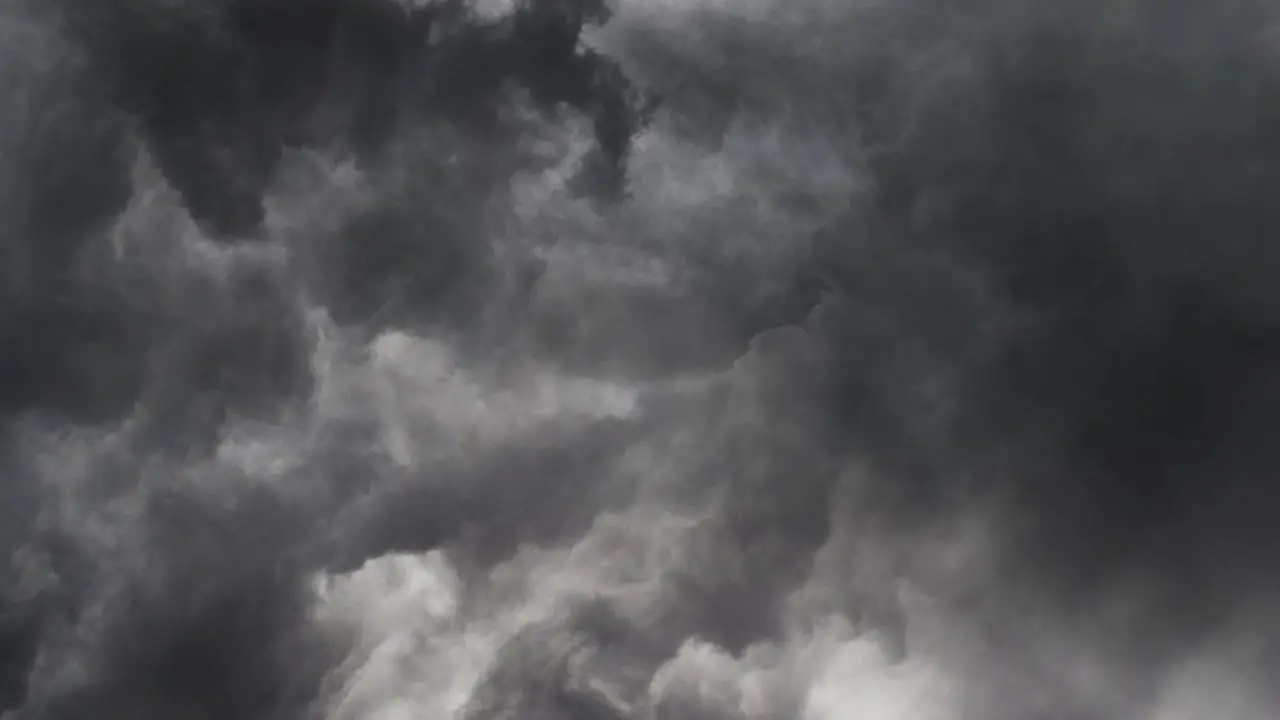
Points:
point(906, 360)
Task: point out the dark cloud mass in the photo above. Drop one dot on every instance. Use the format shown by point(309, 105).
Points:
point(662, 359)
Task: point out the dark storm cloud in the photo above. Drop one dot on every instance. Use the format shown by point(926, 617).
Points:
point(1109, 179)
point(1054, 295)
point(240, 81)
point(1113, 191)
point(557, 393)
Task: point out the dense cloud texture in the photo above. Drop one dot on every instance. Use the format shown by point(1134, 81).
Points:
point(374, 360)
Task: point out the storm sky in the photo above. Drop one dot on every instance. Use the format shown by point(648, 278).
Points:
point(665, 360)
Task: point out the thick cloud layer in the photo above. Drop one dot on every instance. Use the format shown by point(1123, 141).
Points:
point(765, 359)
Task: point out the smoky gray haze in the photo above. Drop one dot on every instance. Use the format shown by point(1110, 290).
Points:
point(661, 360)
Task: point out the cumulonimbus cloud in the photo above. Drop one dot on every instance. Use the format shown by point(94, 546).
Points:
point(378, 360)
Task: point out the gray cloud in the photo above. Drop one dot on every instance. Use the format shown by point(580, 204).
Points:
point(379, 360)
